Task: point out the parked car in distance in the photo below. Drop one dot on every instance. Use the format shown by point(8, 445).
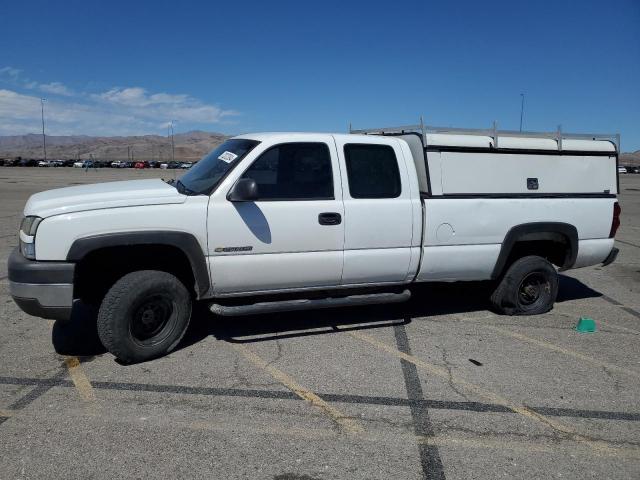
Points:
point(28, 162)
point(164, 165)
point(632, 169)
point(141, 165)
point(78, 164)
point(116, 164)
point(186, 165)
point(173, 165)
point(154, 164)
point(622, 169)
point(11, 162)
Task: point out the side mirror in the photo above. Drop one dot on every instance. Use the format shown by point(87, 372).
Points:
point(245, 190)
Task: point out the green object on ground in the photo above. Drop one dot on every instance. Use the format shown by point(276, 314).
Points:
point(586, 325)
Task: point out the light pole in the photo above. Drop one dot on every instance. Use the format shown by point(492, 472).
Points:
point(44, 138)
point(173, 147)
point(521, 109)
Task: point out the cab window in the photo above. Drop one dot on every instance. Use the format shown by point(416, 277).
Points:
point(293, 171)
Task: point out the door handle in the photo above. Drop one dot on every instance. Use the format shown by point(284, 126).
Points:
point(329, 218)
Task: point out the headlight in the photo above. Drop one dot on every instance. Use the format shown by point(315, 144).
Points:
point(28, 229)
point(29, 225)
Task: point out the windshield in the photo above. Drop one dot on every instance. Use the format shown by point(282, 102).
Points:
point(205, 175)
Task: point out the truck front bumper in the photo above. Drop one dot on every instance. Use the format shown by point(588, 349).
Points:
point(41, 289)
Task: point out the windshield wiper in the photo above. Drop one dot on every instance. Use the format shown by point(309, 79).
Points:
point(184, 190)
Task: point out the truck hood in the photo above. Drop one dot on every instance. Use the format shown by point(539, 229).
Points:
point(80, 198)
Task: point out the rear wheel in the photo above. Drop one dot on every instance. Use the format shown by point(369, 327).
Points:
point(144, 315)
point(529, 287)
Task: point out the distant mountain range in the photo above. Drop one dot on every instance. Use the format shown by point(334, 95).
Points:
point(632, 158)
point(189, 146)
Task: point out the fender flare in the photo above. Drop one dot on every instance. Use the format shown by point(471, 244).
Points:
point(538, 231)
point(186, 242)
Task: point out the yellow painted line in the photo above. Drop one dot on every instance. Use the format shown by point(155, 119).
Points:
point(467, 441)
point(80, 379)
point(348, 424)
point(619, 327)
point(483, 393)
point(564, 351)
point(524, 445)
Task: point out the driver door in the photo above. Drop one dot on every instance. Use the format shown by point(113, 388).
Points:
point(292, 235)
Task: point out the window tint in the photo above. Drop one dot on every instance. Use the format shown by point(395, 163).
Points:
point(300, 171)
point(205, 175)
point(372, 171)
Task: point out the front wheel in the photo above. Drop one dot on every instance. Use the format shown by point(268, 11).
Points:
point(144, 315)
point(529, 287)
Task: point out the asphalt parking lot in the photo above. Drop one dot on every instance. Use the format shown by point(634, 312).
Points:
point(437, 388)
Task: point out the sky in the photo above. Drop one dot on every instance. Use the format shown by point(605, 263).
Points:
point(130, 67)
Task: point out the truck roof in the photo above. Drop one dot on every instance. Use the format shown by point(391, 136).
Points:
point(295, 135)
point(557, 140)
point(524, 143)
point(510, 141)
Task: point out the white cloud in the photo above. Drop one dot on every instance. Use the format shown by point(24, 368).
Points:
point(10, 72)
point(118, 111)
point(159, 106)
point(56, 88)
point(14, 77)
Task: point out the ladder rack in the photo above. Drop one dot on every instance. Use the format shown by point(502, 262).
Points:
point(492, 132)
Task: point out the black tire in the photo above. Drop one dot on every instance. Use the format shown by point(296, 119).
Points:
point(144, 315)
point(529, 287)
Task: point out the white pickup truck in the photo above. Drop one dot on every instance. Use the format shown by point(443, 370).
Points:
point(286, 221)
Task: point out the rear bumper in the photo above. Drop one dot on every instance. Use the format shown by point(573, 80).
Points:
point(41, 289)
point(611, 257)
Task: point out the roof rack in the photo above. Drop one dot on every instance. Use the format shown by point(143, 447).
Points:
point(493, 132)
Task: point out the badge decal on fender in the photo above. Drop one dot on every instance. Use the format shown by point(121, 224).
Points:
point(233, 249)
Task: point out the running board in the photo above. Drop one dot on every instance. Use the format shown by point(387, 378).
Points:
point(309, 304)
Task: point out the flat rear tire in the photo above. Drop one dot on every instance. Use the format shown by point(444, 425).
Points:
point(529, 287)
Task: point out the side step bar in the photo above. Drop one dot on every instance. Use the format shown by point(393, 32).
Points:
point(309, 304)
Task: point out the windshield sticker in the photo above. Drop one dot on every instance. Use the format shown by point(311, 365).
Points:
point(228, 157)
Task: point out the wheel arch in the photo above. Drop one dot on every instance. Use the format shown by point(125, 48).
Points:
point(182, 241)
point(555, 232)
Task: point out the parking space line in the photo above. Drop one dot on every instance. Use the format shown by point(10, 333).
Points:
point(613, 301)
point(630, 310)
point(78, 376)
point(80, 379)
point(627, 243)
point(525, 445)
point(430, 460)
point(618, 327)
point(37, 392)
point(348, 424)
point(480, 391)
point(564, 351)
point(479, 441)
point(465, 406)
point(522, 445)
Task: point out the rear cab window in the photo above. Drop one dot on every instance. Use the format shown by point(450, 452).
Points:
point(372, 171)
